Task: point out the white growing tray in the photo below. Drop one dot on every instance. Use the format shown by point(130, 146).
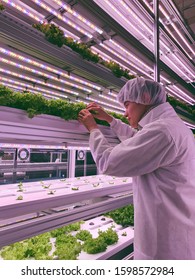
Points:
point(36, 198)
point(122, 243)
point(99, 224)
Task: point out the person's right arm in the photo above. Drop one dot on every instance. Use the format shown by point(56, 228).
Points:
point(123, 131)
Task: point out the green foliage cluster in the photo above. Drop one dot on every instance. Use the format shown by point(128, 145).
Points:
point(117, 70)
point(99, 244)
point(55, 36)
point(83, 235)
point(36, 248)
point(2, 7)
point(123, 216)
point(109, 236)
point(176, 103)
point(53, 33)
point(67, 246)
point(66, 229)
point(35, 104)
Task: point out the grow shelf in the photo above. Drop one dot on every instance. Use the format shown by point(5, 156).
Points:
point(123, 241)
point(28, 225)
point(27, 39)
point(16, 127)
point(102, 223)
point(38, 196)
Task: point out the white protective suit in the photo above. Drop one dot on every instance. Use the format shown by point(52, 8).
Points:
point(161, 159)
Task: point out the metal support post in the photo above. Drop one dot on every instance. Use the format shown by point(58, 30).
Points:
point(71, 163)
point(156, 41)
point(85, 164)
point(14, 177)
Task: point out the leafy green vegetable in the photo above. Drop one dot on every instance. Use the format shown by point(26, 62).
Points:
point(33, 248)
point(66, 229)
point(83, 235)
point(95, 245)
point(20, 197)
point(109, 236)
point(123, 216)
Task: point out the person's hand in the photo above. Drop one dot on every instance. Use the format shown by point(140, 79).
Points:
point(86, 118)
point(98, 112)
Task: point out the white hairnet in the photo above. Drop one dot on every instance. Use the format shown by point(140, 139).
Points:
point(142, 91)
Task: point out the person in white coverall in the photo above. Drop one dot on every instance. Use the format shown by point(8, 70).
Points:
point(158, 151)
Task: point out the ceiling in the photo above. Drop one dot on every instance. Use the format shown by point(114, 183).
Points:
point(187, 10)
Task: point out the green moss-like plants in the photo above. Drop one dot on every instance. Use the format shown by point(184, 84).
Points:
point(95, 245)
point(123, 216)
point(83, 235)
point(110, 236)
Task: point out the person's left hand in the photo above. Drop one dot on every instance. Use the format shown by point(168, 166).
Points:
point(87, 119)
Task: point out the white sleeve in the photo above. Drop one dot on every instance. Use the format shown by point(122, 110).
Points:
point(148, 150)
point(122, 130)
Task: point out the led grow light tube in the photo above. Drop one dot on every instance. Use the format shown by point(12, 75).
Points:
point(20, 85)
point(108, 98)
point(130, 54)
point(24, 10)
point(46, 67)
point(124, 59)
point(23, 88)
point(78, 16)
point(190, 125)
point(62, 18)
point(104, 103)
point(31, 86)
point(109, 58)
point(133, 14)
point(32, 146)
point(183, 93)
point(43, 74)
point(112, 94)
point(177, 30)
point(105, 107)
point(128, 22)
point(183, 73)
point(179, 96)
point(36, 81)
point(165, 14)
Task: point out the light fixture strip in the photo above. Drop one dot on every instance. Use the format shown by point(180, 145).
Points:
point(109, 58)
point(183, 93)
point(46, 67)
point(25, 10)
point(108, 98)
point(183, 65)
point(176, 29)
point(130, 54)
point(177, 67)
point(28, 85)
point(43, 74)
point(78, 16)
point(174, 10)
point(20, 88)
point(130, 11)
point(178, 95)
point(60, 17)
point(124, 59)
point(190, 125)
point(104, 103)
point(33, 89)
point(166, 15)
